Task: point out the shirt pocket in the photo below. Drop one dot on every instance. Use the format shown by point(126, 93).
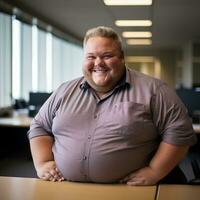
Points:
point(131, 120)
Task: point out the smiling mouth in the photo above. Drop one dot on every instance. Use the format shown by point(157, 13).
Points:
point(99, 70)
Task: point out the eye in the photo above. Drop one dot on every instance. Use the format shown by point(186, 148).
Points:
point(90, 57)
point(107, 56)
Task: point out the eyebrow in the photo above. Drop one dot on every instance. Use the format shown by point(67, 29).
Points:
point(100, 53)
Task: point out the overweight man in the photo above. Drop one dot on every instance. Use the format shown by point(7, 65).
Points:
point(112, 125)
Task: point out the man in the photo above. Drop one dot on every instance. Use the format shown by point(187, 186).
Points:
point(111, 125)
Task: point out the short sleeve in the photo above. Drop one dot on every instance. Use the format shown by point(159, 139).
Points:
point(42, 122)
point(171, 118)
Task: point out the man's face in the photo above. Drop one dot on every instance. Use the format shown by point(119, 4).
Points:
point(103, 64)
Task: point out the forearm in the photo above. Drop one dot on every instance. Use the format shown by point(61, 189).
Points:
point(41, 149)
point(166, 158)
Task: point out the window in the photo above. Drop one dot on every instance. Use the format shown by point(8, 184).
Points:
point(67, 61)
point(34, 60)
point(5, 60)
point(41, 61)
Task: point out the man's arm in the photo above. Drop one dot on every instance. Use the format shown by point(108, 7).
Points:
point(165, 159)
point(41, 149)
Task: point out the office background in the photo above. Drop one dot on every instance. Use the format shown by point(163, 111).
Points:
point(41, 47)
point(41, 42)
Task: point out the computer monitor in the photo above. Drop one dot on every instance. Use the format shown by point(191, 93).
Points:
point(190, 98)
point(36, 100)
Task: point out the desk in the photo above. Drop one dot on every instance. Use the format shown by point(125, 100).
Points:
point(14, 134)
point(20, 121)
point(34, 189)
point(196, 128)
point(25, 121)
point(178, 192)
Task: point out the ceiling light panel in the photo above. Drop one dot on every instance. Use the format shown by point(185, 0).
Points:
point(133, 23)
point(132, 59)
point(128, 2)
point(137, 34)
point(139, 42)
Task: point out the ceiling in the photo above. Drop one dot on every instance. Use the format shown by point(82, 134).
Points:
point(174, 21)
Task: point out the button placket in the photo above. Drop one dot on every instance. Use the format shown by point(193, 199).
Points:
point(89, 138)
point(95, 116)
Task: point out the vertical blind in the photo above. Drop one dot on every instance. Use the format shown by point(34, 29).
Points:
point(5, 59)
point(33, 60)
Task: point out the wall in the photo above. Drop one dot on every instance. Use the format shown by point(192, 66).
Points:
point(167, 59)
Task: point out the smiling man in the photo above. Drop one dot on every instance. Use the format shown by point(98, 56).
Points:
point(111, 125)
point(104, 64)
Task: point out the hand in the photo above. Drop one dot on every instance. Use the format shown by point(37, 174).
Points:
point(144, 176)
point(49, 172)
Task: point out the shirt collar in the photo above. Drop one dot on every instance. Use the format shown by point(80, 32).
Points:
point(125, 80)
point(84, 85)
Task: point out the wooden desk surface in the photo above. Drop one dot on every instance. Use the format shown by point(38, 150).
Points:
point(196, 128)
point(178, 192)
point(34, 189)
point(20, 121)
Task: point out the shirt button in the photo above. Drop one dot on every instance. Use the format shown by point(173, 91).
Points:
point(89, 136)
point(95, 116)
point(84, 158)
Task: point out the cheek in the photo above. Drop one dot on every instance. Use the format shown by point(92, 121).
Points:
point(114, 66)
point(87, 65)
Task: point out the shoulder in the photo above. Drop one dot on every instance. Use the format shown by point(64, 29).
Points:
point(66, 88)
point(69, 85)
point(142, 81)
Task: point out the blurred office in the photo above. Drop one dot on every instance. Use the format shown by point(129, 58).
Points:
point(41, 47)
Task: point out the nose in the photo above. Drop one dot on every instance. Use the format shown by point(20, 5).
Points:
point(98, 61)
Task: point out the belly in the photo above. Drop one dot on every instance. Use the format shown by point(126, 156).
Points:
point(103, 166)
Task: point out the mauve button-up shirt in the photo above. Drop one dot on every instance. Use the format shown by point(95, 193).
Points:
point(103, 140)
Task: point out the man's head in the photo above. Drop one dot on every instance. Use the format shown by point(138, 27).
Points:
point(105, 32)
point(103, 64)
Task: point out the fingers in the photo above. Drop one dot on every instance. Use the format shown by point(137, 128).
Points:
point(56, 175)
point(136, 182)
point(127, 178)
point(50, 173)
point(45, 176)
point(144, 176)
point(133, 180)
point(59, 175)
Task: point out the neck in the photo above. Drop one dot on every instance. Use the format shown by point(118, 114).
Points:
point(100, 94)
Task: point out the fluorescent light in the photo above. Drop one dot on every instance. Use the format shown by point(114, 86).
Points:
point(137, 34)
point(16, 57)
point(139, 42)
point(128, 2)
point(49, 52)
point(34, 58)
point(133, 22)
point(142, 59)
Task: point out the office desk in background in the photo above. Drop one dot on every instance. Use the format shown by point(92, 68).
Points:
point(13, 132)
point(12, 188)
point(25, 121)
point(196, 128)
point(18, 122)
point(15, 155)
